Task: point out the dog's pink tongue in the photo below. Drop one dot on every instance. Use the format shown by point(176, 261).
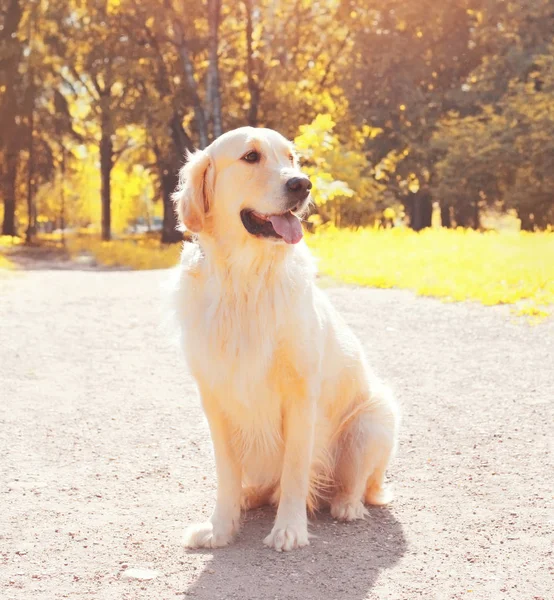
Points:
point(288, 226)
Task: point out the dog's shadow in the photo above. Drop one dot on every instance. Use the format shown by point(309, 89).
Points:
point(342, 562)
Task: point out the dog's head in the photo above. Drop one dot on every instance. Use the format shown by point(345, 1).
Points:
point(247, 184)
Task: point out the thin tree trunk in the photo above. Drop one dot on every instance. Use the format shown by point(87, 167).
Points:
point(170, 234)
point(8, 225)
point(527, 223)
point(169, 176)
point(476, 215)
point(62, 203)
point(31, 225)
point(31, 208)
point(106, 164)
point(199, 115)
point(188, 70)
point(214, 15)
point(253, 87)
point(446, 219)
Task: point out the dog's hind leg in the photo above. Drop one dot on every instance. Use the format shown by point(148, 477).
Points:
point(364, 450)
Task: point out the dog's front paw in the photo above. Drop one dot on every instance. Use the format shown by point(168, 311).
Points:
point(287, 538)
point(344, 509)
point(205, 535)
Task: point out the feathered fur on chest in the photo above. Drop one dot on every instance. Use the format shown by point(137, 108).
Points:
point(236, 322)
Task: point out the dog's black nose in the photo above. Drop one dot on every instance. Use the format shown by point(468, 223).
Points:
point(299, 186)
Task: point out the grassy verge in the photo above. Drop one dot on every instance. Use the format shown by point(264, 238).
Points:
point(5, 263)
point(7, 244)
point(490, 268)
point(140, 253)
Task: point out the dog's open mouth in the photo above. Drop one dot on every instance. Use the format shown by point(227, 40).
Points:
point(286, 226)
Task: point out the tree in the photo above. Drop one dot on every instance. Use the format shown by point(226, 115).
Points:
point(345, 189)
point(409, 61)
point(174, 43)
point(214, 16)
point(406, 101)
point(498, 151)
point(25, 80)
point(102, 75)
point(11, 55)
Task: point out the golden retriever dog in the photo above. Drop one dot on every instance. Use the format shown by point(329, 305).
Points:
point(296, 416)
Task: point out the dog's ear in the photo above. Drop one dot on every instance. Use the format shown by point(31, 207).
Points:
point(192, 197)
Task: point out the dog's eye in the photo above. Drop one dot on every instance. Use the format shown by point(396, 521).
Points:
point(291, 158)
point(252, 157)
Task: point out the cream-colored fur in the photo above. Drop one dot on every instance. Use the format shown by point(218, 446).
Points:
point(295, 414)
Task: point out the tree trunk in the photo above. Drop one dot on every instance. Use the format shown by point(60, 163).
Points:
point(476, 215)
point(188, 71)
point(170, 234)
point(8, 225)
point(527, 223)
point(421, 210)
point(169, 176)
point(62, 198)
point(446, 218)
point(10, 52)
point(181, 139)
point(214, 93)
point(106, 164)
point(199, 115)
point(31, 225)
point(462, 216)
point(253, 87)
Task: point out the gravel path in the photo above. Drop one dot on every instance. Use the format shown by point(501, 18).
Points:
point(105, 455)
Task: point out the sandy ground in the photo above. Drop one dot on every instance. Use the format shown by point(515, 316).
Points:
point(105, 454)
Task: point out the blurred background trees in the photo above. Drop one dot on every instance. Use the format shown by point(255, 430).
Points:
point(395, 106)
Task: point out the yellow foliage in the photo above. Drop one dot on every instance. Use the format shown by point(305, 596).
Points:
point(5, 262)
point(338, 171)
point(8, 240)
point(490, 268)
point(132, 187)
point(139, 253)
